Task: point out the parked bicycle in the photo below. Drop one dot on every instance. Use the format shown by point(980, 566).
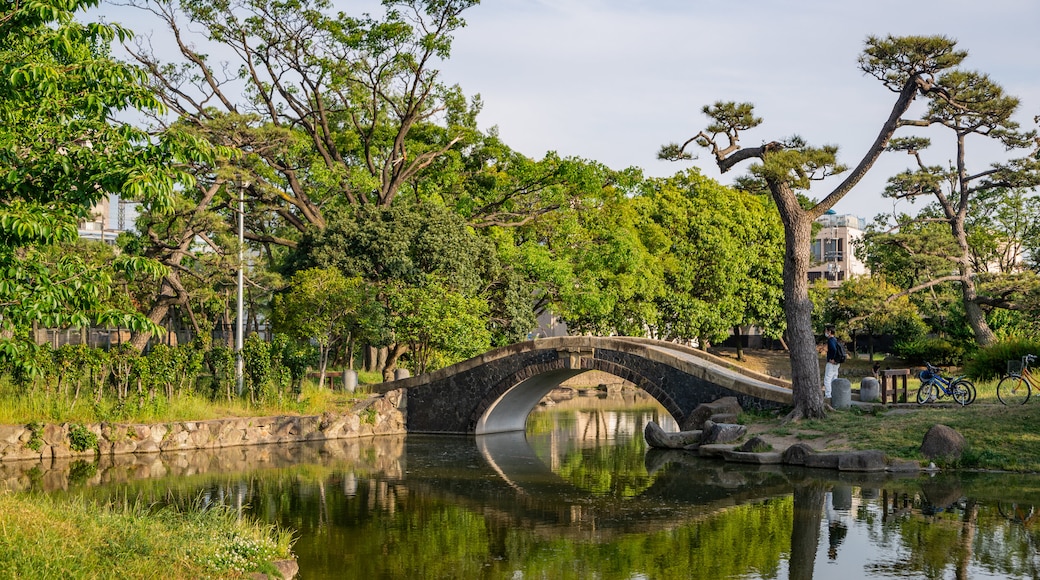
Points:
point(935, 386)
point(1015, 387)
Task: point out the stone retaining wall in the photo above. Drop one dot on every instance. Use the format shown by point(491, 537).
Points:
point(382, 415)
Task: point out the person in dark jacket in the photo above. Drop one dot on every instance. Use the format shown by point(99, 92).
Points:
point(830, 372)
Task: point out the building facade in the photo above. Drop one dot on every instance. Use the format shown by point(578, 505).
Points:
point(832, 256)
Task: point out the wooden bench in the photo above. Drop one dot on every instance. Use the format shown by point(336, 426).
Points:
point(890, 383)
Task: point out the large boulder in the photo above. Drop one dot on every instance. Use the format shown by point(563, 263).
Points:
point(796, 454)
point(943, 442)
point(657, 437)
point(725, 406)
point(721, 432)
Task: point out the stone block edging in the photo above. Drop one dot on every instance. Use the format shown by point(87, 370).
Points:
point(382, 415)
point(871, 460)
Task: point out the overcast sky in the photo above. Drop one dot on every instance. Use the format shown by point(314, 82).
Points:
point(613, 80)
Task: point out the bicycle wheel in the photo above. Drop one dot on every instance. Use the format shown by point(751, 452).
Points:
point(926, 394)
point(1013, 390)
point(963, 392)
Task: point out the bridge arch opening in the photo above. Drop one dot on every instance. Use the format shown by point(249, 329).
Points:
point(508, 412)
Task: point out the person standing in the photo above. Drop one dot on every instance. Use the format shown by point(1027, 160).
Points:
point(830, 371)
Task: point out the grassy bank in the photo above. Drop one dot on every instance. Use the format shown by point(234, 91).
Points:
point(18, 407)
point(1000, 438)
point(45, 537)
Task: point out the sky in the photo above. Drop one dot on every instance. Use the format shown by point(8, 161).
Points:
point(613, 80)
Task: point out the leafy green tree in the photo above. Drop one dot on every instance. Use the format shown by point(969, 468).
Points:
point(62, 151)
point(868, 305)
point(905, 65)
point(331, 108)
point(324, 306)
point(720, 258)
point(970, 105)
point(403, 246)
point(610, 278)
point(438, 324)
point(909, 257)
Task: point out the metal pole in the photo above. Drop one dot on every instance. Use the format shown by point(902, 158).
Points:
point(239, 339)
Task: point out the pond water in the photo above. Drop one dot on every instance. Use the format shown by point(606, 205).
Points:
point(580, 496)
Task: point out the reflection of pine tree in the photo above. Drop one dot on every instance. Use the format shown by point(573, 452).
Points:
point(805, 531)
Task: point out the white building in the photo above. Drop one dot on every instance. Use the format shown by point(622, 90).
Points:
point(105, 226)
point(832, 256)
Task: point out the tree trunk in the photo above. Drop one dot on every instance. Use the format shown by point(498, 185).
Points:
point(160, 308)
point(805, 532)
point(323, 363)
point(740, 342)
point(974, 315)
point(805, 362)
point(393, 353)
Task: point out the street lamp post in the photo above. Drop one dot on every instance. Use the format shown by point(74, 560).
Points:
point(239, 327)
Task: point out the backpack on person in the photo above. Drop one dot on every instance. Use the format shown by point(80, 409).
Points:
point(840, 354)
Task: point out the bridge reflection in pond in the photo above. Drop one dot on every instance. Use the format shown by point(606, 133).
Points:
point(555, 506)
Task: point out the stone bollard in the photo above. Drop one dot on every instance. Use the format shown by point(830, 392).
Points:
point(841, 394)
point(349, 380)
point(401, 374)
point(869, 391)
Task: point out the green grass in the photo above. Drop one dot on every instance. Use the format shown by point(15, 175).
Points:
point(44, 537)
point(19, 408)
point(999, 437)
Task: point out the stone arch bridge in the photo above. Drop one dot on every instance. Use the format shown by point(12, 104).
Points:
point(494, 392)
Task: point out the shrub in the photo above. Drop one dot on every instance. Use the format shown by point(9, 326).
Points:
point(938, 351)
point(990, 362)
point(81, 438)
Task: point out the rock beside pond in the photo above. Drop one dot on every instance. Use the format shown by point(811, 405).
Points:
point(721, 432)
point(796, 454)
point(711, 434)
point(943, 442)
point(721, 410)
point(659, 438)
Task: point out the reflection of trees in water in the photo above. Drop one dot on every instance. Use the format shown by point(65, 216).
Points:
point(597, 450)
point(435, 508)
point(938, 531)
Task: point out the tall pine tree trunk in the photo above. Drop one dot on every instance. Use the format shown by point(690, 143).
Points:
point(805, 362)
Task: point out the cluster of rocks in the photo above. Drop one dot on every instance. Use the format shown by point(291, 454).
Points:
point(708, 424)
point(709, 432)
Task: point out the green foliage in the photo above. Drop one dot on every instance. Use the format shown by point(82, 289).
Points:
point(36, 435)
point(256, 354)
point(221, 362)
point(60, 153)
point(864, 305)
point(82, 438)
point(991, 362)
point(433, 319)
point(719, 252)
point(324, 306)
point(297, 357)
point(938, 351)
point(896, 60)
